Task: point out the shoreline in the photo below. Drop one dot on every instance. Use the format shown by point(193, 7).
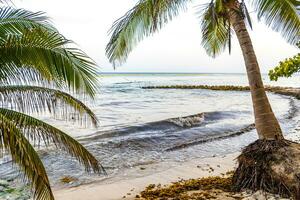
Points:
point(129, 188)
point(118, 188)
point(193, 169)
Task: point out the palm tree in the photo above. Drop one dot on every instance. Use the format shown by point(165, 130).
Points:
point(219, 19)
point(38, 67)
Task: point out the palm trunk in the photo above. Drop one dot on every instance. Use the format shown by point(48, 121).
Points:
point(266, 123)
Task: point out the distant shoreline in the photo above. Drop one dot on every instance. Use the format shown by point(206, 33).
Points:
point(174, 73)
point(179, 73)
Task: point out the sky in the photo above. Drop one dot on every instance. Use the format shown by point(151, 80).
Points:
point(176, 48)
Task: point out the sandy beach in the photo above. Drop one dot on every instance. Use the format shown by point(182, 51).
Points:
point(128, 189)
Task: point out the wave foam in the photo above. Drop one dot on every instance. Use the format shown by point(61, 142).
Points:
point(188, 121)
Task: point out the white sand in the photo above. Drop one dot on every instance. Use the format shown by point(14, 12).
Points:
point(130, 188)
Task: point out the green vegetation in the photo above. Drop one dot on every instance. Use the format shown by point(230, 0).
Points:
point(37, 65)
point(286, 68)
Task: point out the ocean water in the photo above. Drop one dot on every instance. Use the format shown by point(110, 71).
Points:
point(156, 129)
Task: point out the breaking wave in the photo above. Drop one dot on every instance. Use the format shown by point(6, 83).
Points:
point(165, 126)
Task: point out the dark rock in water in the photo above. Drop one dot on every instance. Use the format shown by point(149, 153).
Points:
point(12, 192)
point(4, 183)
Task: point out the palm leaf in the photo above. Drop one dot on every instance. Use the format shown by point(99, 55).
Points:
point(11, 74)
point(36, 130)
point(23, 154)
point(281, 16)
point(39, 99)
point(15, 21)
point(48, 53)
point(245, 12)
point(216, 32)
point(144, 19)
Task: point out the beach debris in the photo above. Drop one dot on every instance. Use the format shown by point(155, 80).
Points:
point(216, 187)
point(68, 179)
point(203, 188)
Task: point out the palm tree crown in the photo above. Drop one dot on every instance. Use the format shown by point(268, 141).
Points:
point(149, 16)
point(37, 65)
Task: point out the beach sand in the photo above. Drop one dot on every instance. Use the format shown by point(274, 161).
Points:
point(128, 189)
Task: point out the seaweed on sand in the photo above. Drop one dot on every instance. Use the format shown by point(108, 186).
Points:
point(200, 189)
point(271, 166)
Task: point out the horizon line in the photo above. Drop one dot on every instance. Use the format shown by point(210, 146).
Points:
point(175, 73)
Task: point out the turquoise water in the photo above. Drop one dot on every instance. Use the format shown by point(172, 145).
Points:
point(159, 128)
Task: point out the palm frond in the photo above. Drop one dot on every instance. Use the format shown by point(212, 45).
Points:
point(216, 32)
point(282, 16)
point(16, 21)
point(23, 154)
point(6, 1)
point(51, 55)
point(31, 99)
point(144, 19)
point(10, 74)
point(245, 13)
point(36, 131)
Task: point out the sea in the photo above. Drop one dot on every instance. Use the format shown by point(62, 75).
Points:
point(145, 131)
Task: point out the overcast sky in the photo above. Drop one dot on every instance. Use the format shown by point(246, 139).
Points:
point(176, 48)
